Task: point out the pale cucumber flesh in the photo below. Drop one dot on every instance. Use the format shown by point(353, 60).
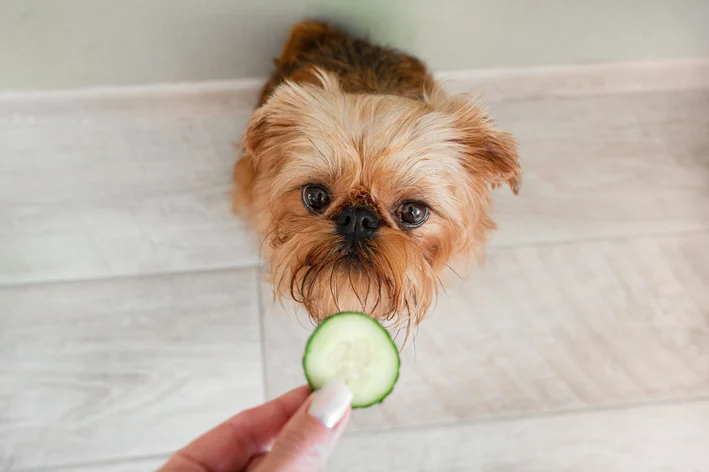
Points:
point(357, 350)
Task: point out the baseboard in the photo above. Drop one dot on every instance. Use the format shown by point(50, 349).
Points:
point(492, 84)
point(609, 78)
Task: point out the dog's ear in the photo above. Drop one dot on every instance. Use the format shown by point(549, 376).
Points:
point(266, 131)
point(491, 153)
point(256, 132)
point(488, 152)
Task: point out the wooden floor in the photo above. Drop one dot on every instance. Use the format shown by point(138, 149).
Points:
point(133, 314)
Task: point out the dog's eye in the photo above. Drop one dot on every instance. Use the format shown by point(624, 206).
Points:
point(315, 198)
point(413, 214)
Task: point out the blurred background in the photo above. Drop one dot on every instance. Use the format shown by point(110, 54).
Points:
point(81, 43)
point(133, 309)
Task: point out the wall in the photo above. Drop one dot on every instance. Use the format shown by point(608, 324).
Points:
point(78, 43)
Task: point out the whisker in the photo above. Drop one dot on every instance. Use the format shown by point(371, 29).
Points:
point(453, 270)
point(283, 272)
point(332, 290)
point(443, 287)
point(349, 276)
point(313, 279)
point(366, 295)
point(379, 294)
point(305, 278)
point(394, 293)
point(265, 238)
point(294, 280)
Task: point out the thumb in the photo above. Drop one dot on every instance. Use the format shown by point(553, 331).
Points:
point(306, 441)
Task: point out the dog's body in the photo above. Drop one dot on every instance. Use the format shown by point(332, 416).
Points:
point(360, 66)
point(363, 178)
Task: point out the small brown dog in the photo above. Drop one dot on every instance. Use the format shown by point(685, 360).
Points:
point(363, 178)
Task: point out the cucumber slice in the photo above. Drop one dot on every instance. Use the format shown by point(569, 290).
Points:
point(357, 350)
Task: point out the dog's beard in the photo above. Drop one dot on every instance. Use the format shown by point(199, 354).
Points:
point(387, 277)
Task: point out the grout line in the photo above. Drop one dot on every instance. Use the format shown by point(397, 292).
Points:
point(118, 277)
point(573, 70)
point(262, 332)
point(100, 463)
point(596, 239)
point(490, 101)
point(422, 428)
point(491, 248)
point(506, 418)
point(136, 90)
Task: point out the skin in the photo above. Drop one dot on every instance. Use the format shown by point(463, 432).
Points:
point(277, 436)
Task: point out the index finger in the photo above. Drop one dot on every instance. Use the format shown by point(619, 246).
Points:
point(231, 445)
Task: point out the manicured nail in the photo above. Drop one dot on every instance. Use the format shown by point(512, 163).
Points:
point(330, 403)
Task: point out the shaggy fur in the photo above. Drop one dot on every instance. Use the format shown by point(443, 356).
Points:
point(370, 125)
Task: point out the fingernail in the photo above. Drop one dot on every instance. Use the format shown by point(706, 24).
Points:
point(330, 403)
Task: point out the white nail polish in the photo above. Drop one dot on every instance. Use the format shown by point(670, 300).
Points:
point(330, 403)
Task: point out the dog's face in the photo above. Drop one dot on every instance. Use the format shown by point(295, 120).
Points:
point(364, 199)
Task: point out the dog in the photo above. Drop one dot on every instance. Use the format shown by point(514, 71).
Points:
point(364, 179)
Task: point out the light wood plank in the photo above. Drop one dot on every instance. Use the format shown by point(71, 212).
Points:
point(580, 79)
point(121, 185)
point(106, 370)
point(137, 465)
point(655, 438)
point(652, 439)
point(600, 166)
point(546, 328)
point(104, 186)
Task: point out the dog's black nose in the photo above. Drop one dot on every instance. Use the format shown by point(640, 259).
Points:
point(357, 222)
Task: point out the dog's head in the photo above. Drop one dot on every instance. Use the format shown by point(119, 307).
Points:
point(364, 199)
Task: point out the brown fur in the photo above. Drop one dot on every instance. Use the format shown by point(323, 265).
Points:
point(361, 67)
point(370, 124)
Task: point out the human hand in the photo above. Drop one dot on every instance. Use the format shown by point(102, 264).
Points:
point(302, 427)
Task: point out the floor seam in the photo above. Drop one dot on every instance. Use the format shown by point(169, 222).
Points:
point(419, 428)
point(262, 332)
point(620, 238)
point(142, 275)
point(107, 462)
point(538, 415)
point(492, 248)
